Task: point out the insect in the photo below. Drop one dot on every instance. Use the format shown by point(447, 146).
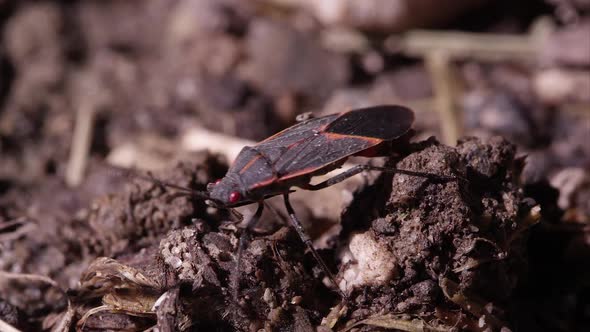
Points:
point(312, 147)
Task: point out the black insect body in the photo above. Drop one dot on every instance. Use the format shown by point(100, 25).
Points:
point(313, 147)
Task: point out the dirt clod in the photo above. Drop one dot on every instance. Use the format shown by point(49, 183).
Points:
point(467, 230)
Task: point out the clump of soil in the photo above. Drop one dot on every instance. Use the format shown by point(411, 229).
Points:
point(188, 282)
point(441, 249)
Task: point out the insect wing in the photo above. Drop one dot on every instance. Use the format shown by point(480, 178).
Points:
point(383, 122)
point(350, 133)
point(256, 165)
point(318, 152)
point(274, 146)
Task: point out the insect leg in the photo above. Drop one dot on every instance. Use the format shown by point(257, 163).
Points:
point(360, 168)
point(241, 246)
point(305, 238)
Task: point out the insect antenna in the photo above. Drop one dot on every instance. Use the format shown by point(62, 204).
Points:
point(130, 173)
point(188, 191)
point(184, 191)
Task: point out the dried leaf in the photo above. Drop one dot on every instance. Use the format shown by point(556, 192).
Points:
point(335, 314)
point(104, 274)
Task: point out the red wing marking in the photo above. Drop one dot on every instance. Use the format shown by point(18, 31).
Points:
point(334, 136)
point(325, 150)
point(249, 164)
point(264, 183)
point(370, 152)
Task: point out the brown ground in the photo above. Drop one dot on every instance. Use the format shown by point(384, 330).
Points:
point(505, 246)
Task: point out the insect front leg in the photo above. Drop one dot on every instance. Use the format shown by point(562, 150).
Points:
point(305, 238)
point(360, 168)
point(241, 246)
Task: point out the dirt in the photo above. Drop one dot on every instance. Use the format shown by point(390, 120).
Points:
point(471, 231)
point(495, 240)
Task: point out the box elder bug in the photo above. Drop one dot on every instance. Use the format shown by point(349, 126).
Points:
point(312, 147)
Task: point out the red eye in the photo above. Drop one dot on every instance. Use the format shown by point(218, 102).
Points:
point(234, 197)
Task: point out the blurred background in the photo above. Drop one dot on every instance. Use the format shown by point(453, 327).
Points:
point(138, 83)
point(127, 70)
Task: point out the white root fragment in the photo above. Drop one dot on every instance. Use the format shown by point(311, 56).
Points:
point(557, 86)
point(7, 327)
point(198, 139)
point(372, 262)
